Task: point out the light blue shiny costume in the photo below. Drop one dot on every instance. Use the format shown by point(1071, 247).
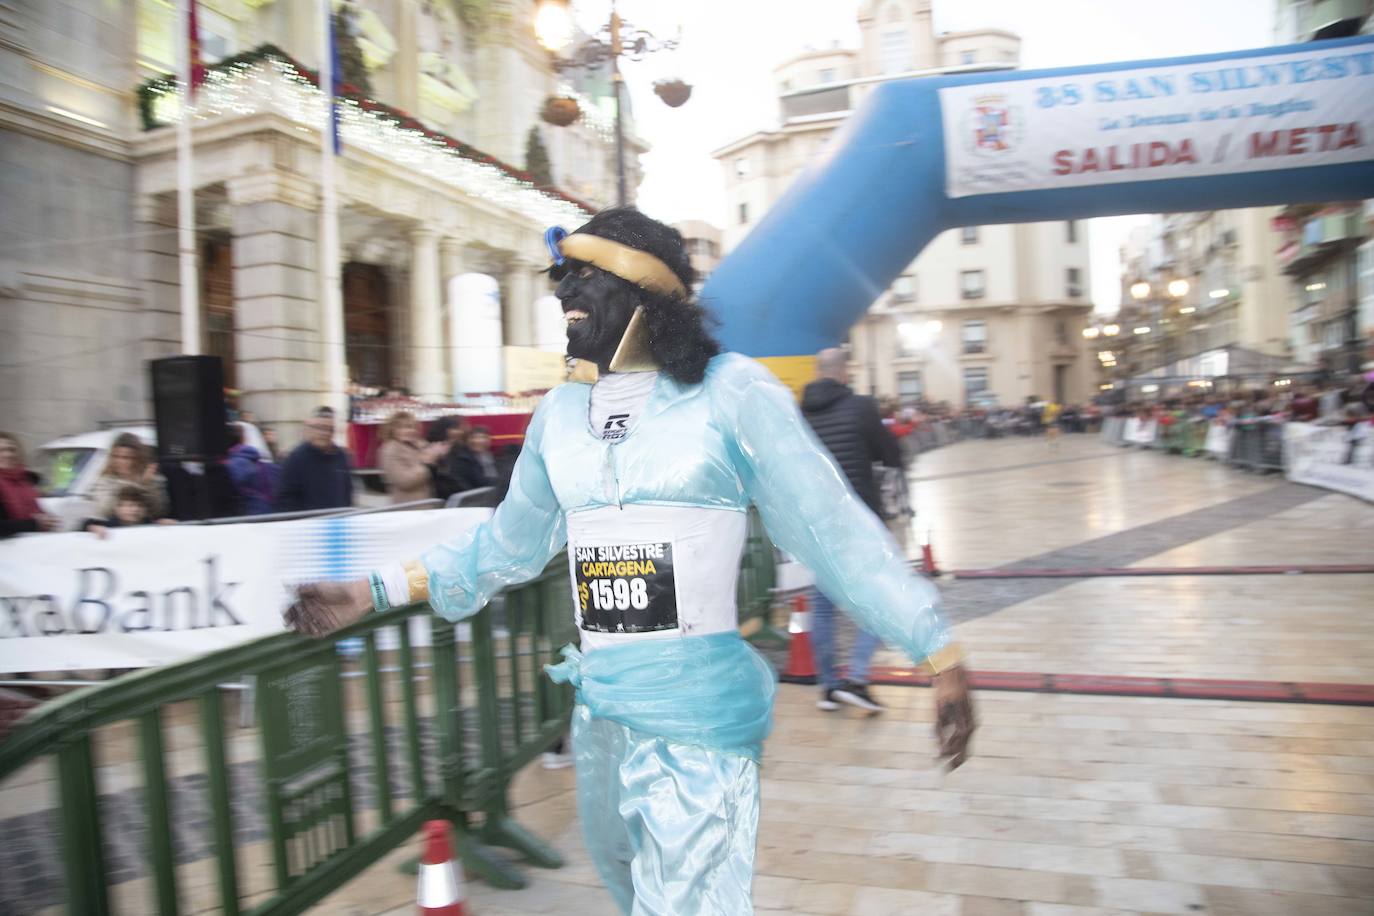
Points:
point(667, 733)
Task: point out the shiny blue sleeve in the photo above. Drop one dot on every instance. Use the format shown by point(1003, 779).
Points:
point(513, 546)
point(811, 511)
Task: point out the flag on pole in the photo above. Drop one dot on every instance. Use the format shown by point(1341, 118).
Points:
point(193, 45)
point(335, 82)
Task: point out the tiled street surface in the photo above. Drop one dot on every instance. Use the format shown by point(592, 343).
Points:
point(1083, 805)
point(1073, 805)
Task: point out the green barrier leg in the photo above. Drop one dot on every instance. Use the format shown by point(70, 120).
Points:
point(81, 836)
point(505, 832)
point(481, 860)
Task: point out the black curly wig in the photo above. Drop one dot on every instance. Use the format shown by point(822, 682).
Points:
point(680, 337)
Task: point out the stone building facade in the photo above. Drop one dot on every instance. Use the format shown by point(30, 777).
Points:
point(428, 183)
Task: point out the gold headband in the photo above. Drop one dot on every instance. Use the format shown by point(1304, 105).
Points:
point(639, 267)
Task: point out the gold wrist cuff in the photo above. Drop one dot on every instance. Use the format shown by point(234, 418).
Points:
point(417, 580)
point(942, 659)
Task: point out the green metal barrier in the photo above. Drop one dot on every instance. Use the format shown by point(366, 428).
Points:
point(483, 717)
point(488, 714)
point(1171, 433)
point(757, 580)
point(1195, 436)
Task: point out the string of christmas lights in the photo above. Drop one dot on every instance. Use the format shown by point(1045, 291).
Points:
point(267, 83)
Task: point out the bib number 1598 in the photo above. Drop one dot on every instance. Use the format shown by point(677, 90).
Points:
point(625, 588)
point(619, 594)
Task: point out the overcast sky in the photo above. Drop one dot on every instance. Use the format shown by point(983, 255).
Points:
point(729, 48)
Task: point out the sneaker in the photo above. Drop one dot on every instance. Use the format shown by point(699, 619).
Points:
point(552, 761)
point(827, 701)
point(857, 695)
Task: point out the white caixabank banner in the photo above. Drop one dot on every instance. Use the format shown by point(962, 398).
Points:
point(1245, 114)
point(158, 594)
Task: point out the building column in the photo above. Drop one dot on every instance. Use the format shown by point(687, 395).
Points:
point(159, 276)
point(451, 265)
point(405, 62)
point(426, 334)
point(518, 304)
point(277, 316)
point(1033, 355)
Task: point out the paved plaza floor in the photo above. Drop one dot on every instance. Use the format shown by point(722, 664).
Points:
point(1072, 805)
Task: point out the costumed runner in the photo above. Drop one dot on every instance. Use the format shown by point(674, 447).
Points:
point(646, 475)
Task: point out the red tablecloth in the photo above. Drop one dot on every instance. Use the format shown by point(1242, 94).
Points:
point(507, 429)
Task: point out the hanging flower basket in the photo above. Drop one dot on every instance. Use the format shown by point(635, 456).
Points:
point(674, 92)
point(560, 110)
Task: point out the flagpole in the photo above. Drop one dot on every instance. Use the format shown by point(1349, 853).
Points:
point(186, 200)
point(331, 292)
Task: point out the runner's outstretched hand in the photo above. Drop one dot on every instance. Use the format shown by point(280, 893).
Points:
point(954, 717)
point(320, 608)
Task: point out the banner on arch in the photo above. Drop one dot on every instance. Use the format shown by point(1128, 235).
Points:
point(1243, 114)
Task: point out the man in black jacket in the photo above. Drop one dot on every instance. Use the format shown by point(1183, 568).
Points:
point(317, 474)
point(851, 428)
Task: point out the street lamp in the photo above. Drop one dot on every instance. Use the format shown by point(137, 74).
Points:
point(553, 26)
point(1140, 290)
point(1111, 330)
point(1178, 288)
point(1091, 333)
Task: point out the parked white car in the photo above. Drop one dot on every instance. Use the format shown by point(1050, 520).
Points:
point(70, 465)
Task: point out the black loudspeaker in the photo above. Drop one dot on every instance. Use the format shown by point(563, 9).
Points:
point(188, 408)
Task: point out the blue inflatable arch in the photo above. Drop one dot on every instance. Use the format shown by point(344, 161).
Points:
point(854, 219)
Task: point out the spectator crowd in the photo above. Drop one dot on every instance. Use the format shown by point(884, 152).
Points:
point(133, 488)
point(452, 456)
point(1349, 404)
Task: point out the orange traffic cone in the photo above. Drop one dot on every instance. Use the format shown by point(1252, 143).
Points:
point(801, 666)
point(928, 554)
point(441, 881)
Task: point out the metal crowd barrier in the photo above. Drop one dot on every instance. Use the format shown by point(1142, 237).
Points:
point(971, 427)
point(1193, 441)
point(482, 497)
point(317, 513)
point(1170, 435)
point(340, 784)
point(1257, 445)
point(1253, 444)
point(346, 765)
point(757, 589)
point(1114, 431)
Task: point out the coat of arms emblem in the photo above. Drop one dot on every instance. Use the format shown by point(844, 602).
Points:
point(992, 125)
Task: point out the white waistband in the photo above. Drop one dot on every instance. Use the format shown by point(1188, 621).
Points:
point(705, 548)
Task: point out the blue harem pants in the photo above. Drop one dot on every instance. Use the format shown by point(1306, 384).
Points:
point(667, 736)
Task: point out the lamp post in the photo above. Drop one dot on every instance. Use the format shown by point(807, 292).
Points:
point(554, 28)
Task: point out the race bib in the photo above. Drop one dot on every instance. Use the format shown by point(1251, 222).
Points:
point(626, 588)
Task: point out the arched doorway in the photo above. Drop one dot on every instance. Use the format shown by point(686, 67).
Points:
point(367, 327)
point(217, 303)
